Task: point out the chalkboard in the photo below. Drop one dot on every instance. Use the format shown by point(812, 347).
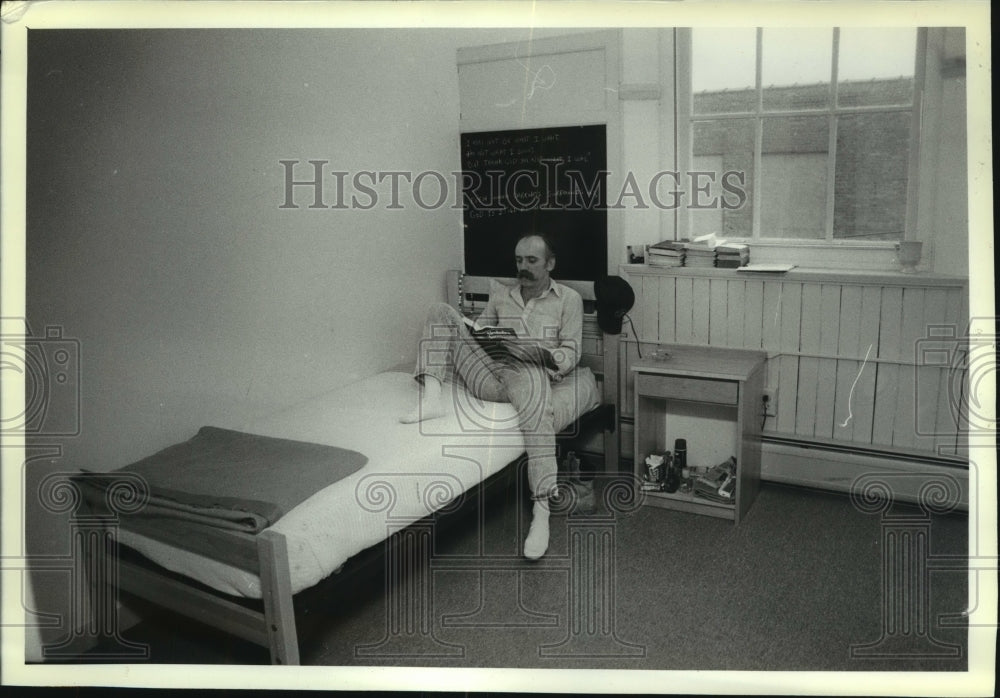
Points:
point(551, 180)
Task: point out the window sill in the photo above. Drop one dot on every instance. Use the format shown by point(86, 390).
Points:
point(806, 274)
point(874, 255)
point(879, 257)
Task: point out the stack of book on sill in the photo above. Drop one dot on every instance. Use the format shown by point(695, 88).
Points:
point(700, 252)
point(665, 254)
point(732, 255)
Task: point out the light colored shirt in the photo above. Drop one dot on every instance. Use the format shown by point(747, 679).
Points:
point(554, 319)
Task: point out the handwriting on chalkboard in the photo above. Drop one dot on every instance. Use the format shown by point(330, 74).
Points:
point(521, 171)
point(506, 151)
point(551, 179)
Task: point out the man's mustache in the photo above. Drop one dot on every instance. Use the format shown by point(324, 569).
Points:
point(525, 274)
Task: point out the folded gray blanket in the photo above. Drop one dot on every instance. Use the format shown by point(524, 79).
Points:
point(230, 479)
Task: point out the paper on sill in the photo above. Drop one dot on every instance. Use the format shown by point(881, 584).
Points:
point(766, 267)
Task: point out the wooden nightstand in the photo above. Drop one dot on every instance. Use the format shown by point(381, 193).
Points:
point(713, 398)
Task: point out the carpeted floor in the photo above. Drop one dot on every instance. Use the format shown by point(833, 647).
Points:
point(798, 585)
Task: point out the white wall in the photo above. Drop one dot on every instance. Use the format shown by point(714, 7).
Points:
point(155, 235)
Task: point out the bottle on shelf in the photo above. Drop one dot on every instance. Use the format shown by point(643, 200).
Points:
point(672, 479)
point(680, 463)
point(680, 453)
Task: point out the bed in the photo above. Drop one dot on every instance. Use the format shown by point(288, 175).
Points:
point(409, 472)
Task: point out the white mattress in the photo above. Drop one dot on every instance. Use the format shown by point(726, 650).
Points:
point(412, 470)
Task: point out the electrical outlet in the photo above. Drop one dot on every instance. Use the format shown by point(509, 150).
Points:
point(770, 397)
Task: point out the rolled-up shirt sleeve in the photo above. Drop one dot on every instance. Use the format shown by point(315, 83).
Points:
point(567, 354)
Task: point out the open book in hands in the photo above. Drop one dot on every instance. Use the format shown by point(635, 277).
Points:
point(501, 342)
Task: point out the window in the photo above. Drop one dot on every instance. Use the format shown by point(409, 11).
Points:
point(817, 122)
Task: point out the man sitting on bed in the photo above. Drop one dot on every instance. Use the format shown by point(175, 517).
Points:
point(548, 319)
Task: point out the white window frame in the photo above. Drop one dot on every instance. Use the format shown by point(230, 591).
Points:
point(828, 252)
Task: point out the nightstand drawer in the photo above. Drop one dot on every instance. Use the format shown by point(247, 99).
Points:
point(685, 388)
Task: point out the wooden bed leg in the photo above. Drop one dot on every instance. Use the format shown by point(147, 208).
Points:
point(276, 590)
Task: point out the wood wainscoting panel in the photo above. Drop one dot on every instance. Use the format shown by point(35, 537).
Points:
point(844, 349)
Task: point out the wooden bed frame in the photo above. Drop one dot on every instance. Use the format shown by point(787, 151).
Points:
point(270, 621)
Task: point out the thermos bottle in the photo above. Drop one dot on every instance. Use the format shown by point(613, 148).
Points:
point(681, 454)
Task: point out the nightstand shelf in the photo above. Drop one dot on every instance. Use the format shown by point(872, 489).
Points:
point(712, 398)
point(685, 501)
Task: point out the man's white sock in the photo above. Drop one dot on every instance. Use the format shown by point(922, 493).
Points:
point(537, 541)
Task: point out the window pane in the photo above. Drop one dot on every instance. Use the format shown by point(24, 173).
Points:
point(723, 70)
point(794, 157)
point(875, 66)
point(707, 220)
point(870, 184)
point(724, 150)
point(796, 68)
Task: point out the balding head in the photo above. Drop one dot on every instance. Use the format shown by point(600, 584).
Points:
point(549, 249)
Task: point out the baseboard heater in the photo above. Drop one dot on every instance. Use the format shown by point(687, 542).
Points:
point(935, 482)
